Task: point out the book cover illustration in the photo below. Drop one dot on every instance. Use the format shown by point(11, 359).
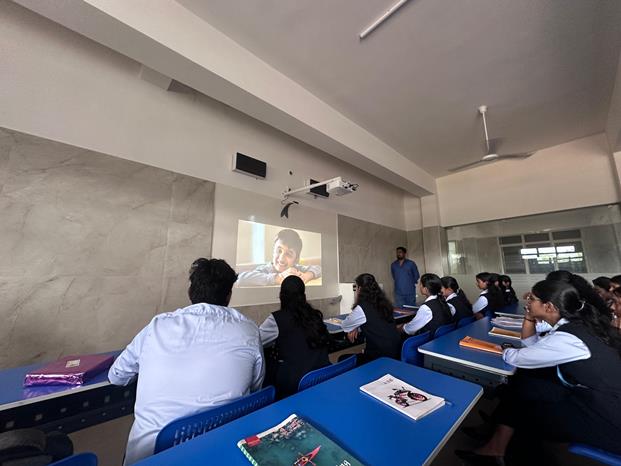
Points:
point(403, 397)
point(294, 442)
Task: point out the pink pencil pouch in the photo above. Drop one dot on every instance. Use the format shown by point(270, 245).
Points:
point(70, 370)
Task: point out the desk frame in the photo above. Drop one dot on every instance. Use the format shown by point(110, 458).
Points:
point(70, 410)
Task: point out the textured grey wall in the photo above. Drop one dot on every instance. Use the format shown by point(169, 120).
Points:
point(92, 247)
point(367, 247)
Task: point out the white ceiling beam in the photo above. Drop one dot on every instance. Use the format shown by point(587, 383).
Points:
point(171, 40)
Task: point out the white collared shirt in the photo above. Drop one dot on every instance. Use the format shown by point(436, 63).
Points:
point(423, 317)
point(480, 303)
point(548, 351)
point(354, 319)
point(268, 330)
point(188, 360)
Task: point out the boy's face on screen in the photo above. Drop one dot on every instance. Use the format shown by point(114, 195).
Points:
point(284, 257)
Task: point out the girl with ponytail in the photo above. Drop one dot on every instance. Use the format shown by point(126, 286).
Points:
point(300, 335)
point(435, 311)
point(372, 314)
point(580, 403)
point(491, 297)
point(456, 297)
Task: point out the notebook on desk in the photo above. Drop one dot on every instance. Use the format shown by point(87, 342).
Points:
point(501, 332)
point(482, 345)
point(295, 442)
point(399, 395)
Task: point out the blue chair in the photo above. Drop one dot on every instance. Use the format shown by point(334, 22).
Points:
point(81, 459)
point(186, 428)
point(409, 350)
point(465, 321)
point(325, 373)
point(444, 329)
point(595, 453)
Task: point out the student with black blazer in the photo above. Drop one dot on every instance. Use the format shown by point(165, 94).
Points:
point(456, 297)
point(506, 285)
point(491, 298)
point(300, 335)
point(580, 403)
point(372, 314)
point(434, 312)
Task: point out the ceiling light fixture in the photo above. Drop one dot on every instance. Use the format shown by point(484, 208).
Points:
point(392, 10)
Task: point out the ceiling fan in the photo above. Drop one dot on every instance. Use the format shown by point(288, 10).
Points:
point(491, 154)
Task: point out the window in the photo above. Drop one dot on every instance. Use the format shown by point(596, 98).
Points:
point(513, 259)
point(543, 252)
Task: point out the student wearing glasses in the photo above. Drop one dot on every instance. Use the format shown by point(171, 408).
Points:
point(372, 314)
point(580, 403)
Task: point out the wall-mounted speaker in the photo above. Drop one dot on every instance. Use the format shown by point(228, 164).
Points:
point(249, 166)
point(319, 190)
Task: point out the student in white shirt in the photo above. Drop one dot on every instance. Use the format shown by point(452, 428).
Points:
point(456, 297)
point(581, 404)
point(434, 312)
point(372, 314)
point(491, 297)
point(189, 360)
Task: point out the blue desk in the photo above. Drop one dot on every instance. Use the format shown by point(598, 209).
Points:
point(445, 355)
point(60, 407)
point(371, 431)
point(398, 314)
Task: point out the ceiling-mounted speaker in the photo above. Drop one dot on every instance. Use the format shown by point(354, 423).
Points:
point(249, 165)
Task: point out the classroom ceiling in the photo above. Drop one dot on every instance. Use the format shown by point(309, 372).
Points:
point(545, 68)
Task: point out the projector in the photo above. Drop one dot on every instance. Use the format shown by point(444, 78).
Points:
point(338, 187)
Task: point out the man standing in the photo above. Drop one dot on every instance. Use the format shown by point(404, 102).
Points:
point(405, 274)
point(189, 360)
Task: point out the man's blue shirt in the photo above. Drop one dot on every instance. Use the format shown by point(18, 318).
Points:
point(405, 276)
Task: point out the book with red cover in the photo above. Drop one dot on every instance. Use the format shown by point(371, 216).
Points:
point(70, 370)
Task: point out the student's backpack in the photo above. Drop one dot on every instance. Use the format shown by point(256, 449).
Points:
point(32, 447)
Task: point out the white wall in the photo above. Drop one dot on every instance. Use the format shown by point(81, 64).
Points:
point(232, 205)
point(576, 174)
point(58, 85)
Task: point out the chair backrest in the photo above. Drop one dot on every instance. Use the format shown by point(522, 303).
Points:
point(186, 428)
point(465, 321)
point(595, 453)
point(444, 329)
point(81, 459)
point(325, 373)
point(409, 350)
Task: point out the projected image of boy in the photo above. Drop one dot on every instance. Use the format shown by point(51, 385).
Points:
point(285, 257)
